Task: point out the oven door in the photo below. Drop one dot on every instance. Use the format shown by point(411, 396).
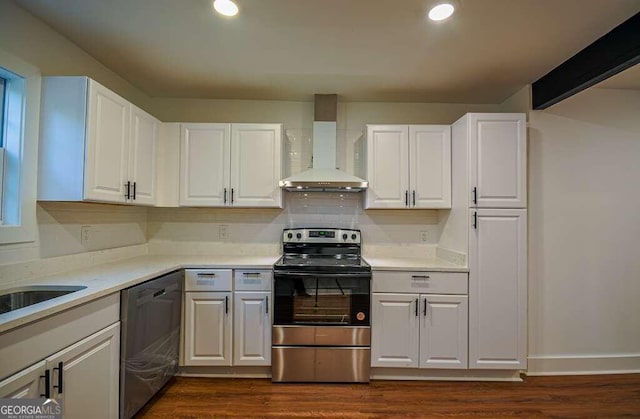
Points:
point(331, 299)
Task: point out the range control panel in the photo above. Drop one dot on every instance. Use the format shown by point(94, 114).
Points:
point(320, 235)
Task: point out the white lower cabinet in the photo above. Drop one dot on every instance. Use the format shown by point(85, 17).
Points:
point(26, 384)
point(419, 331)
point(224, 327)
point(394, 330)
point(252, 328)
point(498, 289)
point(443, 331)
point(85, 376)
point(207, 333)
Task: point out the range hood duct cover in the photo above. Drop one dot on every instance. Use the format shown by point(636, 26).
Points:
point(324, 177)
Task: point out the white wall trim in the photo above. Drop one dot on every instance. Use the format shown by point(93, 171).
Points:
point(415, 374)
point(584, 364)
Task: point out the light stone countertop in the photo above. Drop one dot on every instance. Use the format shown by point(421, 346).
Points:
point(105, 279)
point(108, 278)
point(413, 264)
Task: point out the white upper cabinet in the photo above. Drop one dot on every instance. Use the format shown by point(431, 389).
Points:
point(430, 166)
point(256, 153)
point(94, 145)
point(387, 166)
point(409, 166)
point(230, 165)
point(498, 289)
point(142, 153)
point(497, 160)
point(107, 145)
point(204, 164)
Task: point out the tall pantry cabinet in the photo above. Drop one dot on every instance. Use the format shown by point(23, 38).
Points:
point(490, 163)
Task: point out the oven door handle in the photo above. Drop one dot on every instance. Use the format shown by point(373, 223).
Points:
point(324, 275)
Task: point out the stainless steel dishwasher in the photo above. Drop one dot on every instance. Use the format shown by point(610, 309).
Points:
point(150, 339)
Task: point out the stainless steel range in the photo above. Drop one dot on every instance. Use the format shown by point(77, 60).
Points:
point(322, 300)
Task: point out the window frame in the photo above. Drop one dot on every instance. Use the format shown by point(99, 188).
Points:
point(21, 126)
point(3, 83)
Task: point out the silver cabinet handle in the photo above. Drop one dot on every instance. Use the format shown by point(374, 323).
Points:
point(417, 306)
point(475, 195)
point(267, 304)
point(425, 307)
point(475, 220)
point(225, 196)
point(406, 198)
point(423, 277)
point(212, 275)
point(256, 274)
point(414, 197)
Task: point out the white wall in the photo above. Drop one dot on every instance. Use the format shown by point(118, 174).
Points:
point(584, 227)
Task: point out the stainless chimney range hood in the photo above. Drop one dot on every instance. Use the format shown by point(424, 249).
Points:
point(324, 177)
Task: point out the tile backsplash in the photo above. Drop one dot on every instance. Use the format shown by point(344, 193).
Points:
point(200, 228)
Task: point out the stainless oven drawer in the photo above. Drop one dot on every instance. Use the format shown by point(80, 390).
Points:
point(321, 335)
point(326, 364)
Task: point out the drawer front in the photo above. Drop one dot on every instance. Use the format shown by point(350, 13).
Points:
point(420, 282)
point(252, 279)
point(207, 280)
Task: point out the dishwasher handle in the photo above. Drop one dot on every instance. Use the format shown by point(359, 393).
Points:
point(147, 298)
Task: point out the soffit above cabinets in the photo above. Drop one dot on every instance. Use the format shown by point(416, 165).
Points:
point(363, 50)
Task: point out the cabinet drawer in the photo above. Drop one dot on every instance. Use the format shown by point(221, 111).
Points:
point(207, 280)
point(420, 282)
point(252, 279)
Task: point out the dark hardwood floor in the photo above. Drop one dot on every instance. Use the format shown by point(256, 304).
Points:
point(604, 396)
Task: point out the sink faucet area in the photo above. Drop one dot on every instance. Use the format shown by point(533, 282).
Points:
point(16, 298)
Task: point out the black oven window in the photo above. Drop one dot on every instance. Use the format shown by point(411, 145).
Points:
point(329, 300)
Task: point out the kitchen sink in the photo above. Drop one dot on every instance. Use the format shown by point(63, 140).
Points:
point(15, 298)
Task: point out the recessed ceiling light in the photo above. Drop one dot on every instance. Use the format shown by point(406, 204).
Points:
point(441, 11)
point(225, 7)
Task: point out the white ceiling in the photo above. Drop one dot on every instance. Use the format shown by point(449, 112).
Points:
point(363, 50)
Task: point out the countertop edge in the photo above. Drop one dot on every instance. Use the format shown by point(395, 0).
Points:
point(32, 313)
point(149, 267)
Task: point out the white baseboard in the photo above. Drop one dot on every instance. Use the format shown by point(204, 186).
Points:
point(415, 374)
point(584, 364)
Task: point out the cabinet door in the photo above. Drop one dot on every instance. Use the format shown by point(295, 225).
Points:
point(430, 166)
point(142, 156)
point(207, 328)
point(256, 153)
point(443, 331)
point(204, 164)
point(387, 166)
point(394, 330)
point(497, 289)
point(498, 160)
point(26, 384)
point(107, 151)
point(252, 328)
point(89, 375)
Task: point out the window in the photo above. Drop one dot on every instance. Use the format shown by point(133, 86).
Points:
point(2, 84)
point(19, 125)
